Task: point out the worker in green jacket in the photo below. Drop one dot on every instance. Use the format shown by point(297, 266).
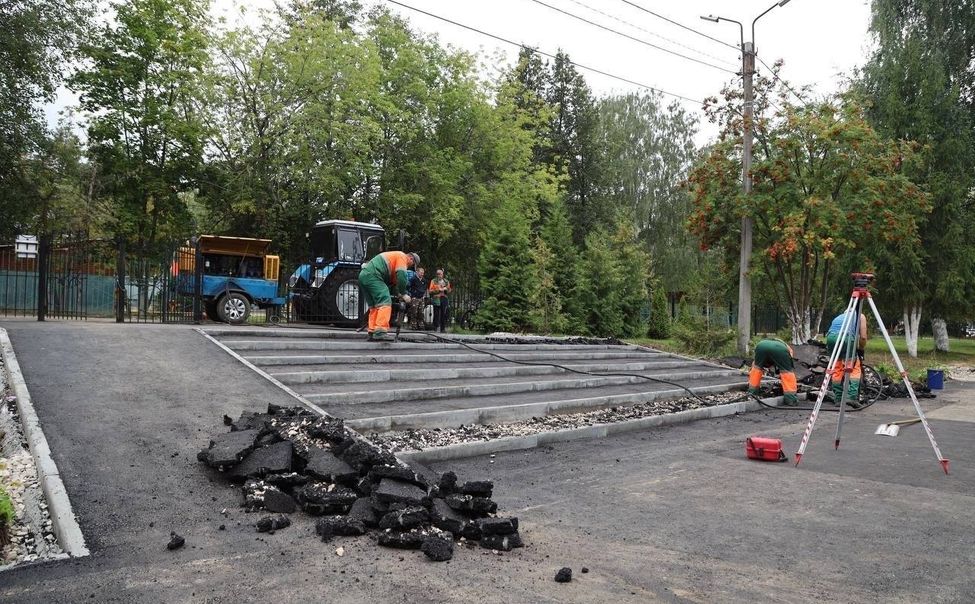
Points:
point(778, 354)
point(385, 273)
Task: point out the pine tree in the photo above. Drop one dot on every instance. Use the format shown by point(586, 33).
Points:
point(546, 314)
point(659, 323)
point(506, 271)
point(564, 261)
point(597, 291)
point(633, 268)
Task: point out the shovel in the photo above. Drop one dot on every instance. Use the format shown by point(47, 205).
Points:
point(893, 428)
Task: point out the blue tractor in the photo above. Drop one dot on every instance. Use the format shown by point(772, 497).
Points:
point(326, 289)
point(237, 274)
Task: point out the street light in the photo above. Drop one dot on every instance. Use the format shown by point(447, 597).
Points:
point(744, 280)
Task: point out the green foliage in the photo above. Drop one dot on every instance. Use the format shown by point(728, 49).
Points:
point(632, 265)
point(506, 272)
point(919, 81)
point(39, 38)
point(698, 337)
point(658, 326)
point(141, 90)
point(826, 185)
point(599, 288)
point(7, 515)
point(547, 315)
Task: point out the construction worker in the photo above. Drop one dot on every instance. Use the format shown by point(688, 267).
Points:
point(854, 345)
point(778, 354)
point(439, 288)
point(385, 273)
point(417, 291)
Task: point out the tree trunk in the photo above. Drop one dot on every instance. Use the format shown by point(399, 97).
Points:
point(912, 322)
point(800, 324)
point(940, 330)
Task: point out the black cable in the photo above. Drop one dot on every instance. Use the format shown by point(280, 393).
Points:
point(776, 78)
point(562, 367)
point(652, 33)
point(545, 54)
point(681, 25)
point(629, 37)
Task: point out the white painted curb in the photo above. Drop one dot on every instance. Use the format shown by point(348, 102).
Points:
point(65, 524)
point(515, 443)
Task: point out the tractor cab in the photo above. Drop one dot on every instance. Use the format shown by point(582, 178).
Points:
point(326, 289)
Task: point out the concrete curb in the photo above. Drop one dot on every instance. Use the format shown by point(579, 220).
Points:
point(65, 525)
point(515, 443)
point(511, 413)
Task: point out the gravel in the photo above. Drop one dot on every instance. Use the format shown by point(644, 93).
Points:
point(418, 440)
point(31, 534)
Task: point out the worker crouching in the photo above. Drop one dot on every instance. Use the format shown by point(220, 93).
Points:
point(385, 273)
point(778, 354)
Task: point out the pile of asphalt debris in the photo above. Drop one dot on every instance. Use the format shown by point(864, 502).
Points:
point(420, 439)
point(290, 458)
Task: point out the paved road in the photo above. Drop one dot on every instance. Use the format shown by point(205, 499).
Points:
point(673, 515)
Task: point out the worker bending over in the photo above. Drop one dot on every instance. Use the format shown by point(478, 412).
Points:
point(778, 354)
point(386, 272)
point(853, 345)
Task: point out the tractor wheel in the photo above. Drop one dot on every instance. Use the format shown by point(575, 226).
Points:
point(234, 308)
point(340, 297)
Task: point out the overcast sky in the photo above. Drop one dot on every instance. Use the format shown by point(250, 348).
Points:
point(820, 40)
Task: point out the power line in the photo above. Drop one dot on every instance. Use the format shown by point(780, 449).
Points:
point(652, 33)
point(628, 36)
point(776, 78)
point(681, 25)
point(545, 54)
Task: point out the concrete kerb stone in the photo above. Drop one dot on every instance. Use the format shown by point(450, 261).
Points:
point(63, 520)
point(381, 356)
point(514, 443)
point(681, 356)
point(574, 383)
point(509, 413)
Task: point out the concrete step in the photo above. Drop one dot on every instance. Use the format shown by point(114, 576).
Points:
point(416, 391)
point(325, 344)
point(515, 411)
point(369, 373)
point(441, 356)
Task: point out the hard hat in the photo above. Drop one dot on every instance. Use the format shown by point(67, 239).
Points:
point(415, 257)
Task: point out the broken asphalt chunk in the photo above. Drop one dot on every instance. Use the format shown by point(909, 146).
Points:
point(478, 488)
point(437, 548)
point(320, 498)
point(564, 575)
point(227, 449)
point(498, 526)
point(324, 465)
point(339, 526)
point(504, 543)
point(175, 541)
point(272, 523)
point(405, 519)
point(412, 539)
point(391, 491)
point(259, 495)
point(273, 459)
point(328, 428)
point(446, 518)
point(363, 512)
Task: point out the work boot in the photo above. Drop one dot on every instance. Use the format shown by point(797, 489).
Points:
point(790, 400)
point(381, 336)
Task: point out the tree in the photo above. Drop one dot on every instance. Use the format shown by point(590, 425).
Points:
point(39, 38)
point(648, 153)
point(141, 91)
point(547, 314)
point(574, 148)
point(658, 324)
point(563, 262)
point(825, 183)
point(505, 268)
point(920, 79)
point(599, 290)
point(632, 266)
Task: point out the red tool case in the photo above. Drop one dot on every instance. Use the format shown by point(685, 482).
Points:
point(764, 449)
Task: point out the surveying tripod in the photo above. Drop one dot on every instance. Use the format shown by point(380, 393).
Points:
point(845, 345)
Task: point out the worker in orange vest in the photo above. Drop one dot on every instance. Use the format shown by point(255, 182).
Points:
point(385, 273)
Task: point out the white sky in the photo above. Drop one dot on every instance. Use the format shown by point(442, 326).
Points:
point(820, 40)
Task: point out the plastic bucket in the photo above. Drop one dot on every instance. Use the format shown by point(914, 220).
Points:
point(936, 379)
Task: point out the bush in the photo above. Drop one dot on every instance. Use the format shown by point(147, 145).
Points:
point(696, 337)
point(6, 515)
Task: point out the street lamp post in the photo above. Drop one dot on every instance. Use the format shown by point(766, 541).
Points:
point(744, 261)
